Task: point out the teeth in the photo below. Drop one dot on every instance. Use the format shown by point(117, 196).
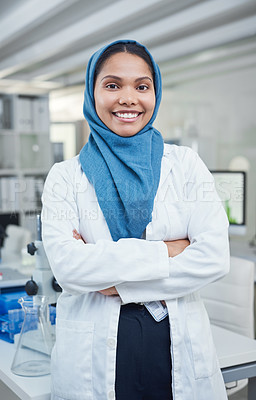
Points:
point(127, 115)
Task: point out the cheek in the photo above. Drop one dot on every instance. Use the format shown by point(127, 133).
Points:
point(99, 105)
point(103, 104)
point(150, 105)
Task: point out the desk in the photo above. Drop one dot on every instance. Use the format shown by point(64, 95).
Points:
point(12, 275)
point(36, 388)
point(236, 353)
point(237, 357)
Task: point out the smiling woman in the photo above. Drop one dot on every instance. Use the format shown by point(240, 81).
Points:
point(116, 223)
point(121, 100)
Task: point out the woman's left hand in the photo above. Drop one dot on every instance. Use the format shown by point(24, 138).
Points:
point(111, 291)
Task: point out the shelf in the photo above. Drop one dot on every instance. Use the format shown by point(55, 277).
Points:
point(15, 132)
point(34, 151)
point(3, 212)
point(34, 133)
point(32, 212)
point(8, 151)
point(35, 171)
point(25, 156)
point(24, 172)
point(8, 132)
point(9, 172)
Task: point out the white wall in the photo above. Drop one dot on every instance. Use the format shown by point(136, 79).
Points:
point(218, 115)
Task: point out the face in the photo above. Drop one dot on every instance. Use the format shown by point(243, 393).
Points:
point(124, 94)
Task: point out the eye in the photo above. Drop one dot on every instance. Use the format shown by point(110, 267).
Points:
point(142, 88)
point(111, 86)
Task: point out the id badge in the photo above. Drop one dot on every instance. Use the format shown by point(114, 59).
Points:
point(157, 310)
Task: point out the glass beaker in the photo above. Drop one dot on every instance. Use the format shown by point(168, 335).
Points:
point(33, 353)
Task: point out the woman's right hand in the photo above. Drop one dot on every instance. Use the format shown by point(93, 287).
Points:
point(77, 236)
point(176, 247)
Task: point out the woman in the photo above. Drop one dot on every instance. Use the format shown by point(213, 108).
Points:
point(130, 322)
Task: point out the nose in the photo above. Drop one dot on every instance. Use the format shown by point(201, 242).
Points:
point(128, 97)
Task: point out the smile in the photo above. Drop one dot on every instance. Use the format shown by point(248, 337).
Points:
point(127, 116)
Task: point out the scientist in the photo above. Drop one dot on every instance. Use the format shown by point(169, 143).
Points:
point(133, 229)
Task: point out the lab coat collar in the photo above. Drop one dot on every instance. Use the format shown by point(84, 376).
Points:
point(167, 164)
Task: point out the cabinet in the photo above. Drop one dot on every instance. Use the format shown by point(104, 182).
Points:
point(25, 155)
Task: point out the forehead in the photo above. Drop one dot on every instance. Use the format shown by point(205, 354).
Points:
point(125, 64)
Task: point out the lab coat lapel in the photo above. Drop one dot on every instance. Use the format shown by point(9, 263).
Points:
point(166, 167)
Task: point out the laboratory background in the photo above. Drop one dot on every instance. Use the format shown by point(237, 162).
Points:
point(206, 50)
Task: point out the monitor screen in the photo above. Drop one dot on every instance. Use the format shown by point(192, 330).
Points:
point(231, 188)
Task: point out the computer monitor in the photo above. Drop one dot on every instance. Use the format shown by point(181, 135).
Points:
point(231, 188)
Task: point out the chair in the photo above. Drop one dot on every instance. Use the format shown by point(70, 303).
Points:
point(230, 304)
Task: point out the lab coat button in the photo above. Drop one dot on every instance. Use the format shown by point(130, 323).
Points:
point(111, 343)
point(111, 395)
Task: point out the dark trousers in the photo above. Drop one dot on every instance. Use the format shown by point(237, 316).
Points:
point(143, 363)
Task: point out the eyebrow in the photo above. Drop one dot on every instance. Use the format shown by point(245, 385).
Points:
point(120, 79)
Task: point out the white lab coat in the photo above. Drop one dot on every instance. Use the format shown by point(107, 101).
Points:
point(186, 205)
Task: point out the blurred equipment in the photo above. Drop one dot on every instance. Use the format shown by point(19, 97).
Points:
point(32, 357)
point(231, 188)
point(43, 282)
point(3, 235)
point(17, 237)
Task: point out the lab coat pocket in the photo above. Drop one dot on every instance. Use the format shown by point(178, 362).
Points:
point(72, 360)
point(201, 341)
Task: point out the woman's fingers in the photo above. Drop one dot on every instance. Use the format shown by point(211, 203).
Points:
point(77, 235)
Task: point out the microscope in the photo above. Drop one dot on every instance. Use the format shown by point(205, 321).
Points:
point(43, 282)
point(38, 329)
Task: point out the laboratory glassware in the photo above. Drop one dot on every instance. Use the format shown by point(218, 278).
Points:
point(33, 353)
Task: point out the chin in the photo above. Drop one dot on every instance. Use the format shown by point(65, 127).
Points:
point(125, 134)
point(126, 131)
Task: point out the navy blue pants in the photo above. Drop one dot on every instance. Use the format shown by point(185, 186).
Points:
point(143, 363)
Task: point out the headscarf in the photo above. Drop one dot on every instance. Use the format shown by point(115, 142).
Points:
point(124, 171)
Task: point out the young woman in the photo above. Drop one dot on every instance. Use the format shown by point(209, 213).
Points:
point(132, 229)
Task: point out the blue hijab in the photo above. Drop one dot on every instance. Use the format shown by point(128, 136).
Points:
point(124, 171)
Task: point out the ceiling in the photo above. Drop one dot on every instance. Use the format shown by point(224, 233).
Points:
point(45, 45)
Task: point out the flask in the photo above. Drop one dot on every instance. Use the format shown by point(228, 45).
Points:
point(33, 353)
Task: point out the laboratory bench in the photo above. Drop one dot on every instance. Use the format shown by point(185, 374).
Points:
point(236, 353)
point(25, 388)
